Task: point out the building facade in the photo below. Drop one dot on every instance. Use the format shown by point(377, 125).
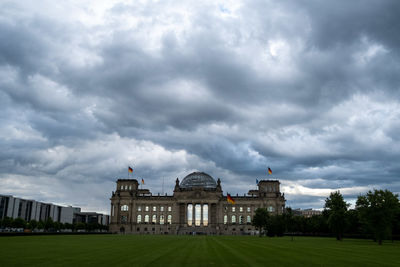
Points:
point(197, 205)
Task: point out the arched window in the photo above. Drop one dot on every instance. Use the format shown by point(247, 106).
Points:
point(169, 219)
point(161, 219)
point(154, 220)
point(139, 218)
point(248, 219)
point(233, 219)
point(225, 219)
point(146, 218)
point(241, 219)
point(124, 208)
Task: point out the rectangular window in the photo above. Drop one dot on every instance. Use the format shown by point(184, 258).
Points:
point(154, 208)
point(241, 209)
point(205, 214)
point(169, 208)
point(162, 208)
point(147, 208)
point(248, 209)
point(169, 219)
point(197, 210)
point(189, 214)
point(233, 209)
point(139, 208)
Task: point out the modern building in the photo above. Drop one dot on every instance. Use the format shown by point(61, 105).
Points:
point(197, 205)
point(306, 212)
point(28, 210)
point(91, 217)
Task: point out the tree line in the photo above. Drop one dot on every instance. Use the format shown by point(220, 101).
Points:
point(49, 225)
point(376, 215)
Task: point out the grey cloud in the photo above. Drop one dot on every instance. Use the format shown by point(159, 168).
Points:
point(210, 90)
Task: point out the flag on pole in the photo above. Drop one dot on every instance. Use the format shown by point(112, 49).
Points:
point(142, 181)
point(130, 169)
point(256, 181)
point(230, 199)
point(269, 170)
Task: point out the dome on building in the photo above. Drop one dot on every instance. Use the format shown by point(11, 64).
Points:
point(198, 179)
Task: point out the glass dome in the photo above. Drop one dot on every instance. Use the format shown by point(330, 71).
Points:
point(198, 179)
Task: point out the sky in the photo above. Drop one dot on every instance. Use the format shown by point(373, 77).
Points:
point(309, 88)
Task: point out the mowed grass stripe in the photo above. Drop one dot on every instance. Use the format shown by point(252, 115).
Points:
point(130, 250)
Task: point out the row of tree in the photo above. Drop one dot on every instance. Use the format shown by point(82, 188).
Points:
point(49, 225)
point(377, 214)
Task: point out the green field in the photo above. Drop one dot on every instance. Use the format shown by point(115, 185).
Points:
point(130, 250)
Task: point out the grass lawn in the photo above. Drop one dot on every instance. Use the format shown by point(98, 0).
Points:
point(149, 250)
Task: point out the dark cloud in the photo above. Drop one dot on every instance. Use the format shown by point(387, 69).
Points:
point(310, 89)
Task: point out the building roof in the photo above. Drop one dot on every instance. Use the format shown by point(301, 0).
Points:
point(198, 179)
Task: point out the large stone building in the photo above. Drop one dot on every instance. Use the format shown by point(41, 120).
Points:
point(197, 205)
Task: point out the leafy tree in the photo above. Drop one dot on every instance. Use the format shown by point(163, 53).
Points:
point(80, 226)
point(40, 225)
point(57, 226)
point(33, 224)
point(7, 222)
point(336, 209)
point(261, 219)
point(353, 225)
point(49, 224)
point(379, 209)
point(68, 226)
point(19, 223)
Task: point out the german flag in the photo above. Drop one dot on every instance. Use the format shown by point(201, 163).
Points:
point(142, 181)
point(130, 169)
point(230, 199)
point(269, 170)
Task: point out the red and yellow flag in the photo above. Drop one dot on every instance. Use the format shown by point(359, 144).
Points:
point(142, 181)
point(269, 170)
point(130, 169)
point(230, 199)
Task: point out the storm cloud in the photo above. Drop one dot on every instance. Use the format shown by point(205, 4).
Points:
point(309, 88)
